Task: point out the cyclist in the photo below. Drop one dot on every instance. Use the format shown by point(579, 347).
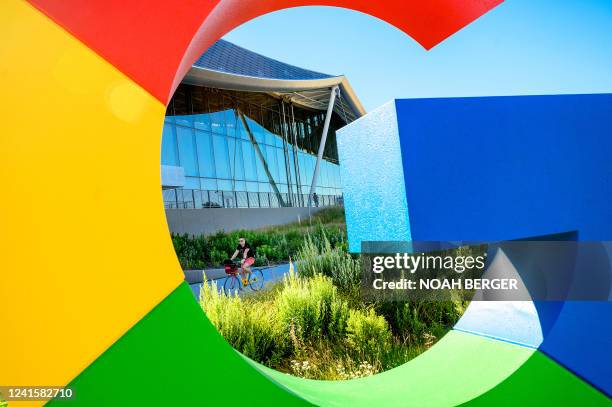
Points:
point(247, 255)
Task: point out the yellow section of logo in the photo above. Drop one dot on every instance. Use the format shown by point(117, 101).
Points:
point(84, 247)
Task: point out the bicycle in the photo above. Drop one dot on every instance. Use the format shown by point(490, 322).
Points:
point(233, 283)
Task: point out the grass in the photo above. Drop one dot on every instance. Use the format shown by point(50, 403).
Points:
point(321, 257)
point(304, 326)
point(315, 324)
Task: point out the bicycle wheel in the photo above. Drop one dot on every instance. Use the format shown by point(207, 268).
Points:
point(256, 280)
point(231, 285)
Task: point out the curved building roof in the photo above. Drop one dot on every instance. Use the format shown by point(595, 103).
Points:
point(226, 57)
point(227, 66)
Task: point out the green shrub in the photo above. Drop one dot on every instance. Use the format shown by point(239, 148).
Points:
point(269, 252)
point(311, 309)
point(304, 326)
point(251, 328)
point(260, 260)
point(334, 262)
point(217, 256)
point(274, 244)
point(314, 324)
point(329, 215)
point(222, 243)
point(368, 335)
point(191, 251)
point(414, 322)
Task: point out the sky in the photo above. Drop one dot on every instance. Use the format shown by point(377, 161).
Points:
point(520, 47)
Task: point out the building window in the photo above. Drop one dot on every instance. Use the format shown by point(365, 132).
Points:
point(204, 134)
point(187, 151)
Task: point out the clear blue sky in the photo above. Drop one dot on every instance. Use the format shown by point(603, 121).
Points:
point(520, 47)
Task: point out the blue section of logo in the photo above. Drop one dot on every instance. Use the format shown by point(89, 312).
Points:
point(492, 169)
point(372, 179)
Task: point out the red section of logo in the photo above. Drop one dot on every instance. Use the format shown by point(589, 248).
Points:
point(155, 42)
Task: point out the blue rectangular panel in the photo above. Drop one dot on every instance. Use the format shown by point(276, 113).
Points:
point(500, 168)
point(373, 179)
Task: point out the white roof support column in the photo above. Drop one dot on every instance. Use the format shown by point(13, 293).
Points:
point(328, 115)
point(261, 157)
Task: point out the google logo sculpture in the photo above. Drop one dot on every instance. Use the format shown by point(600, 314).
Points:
point(84, 91)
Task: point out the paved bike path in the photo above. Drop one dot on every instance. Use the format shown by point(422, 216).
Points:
point(194, 277)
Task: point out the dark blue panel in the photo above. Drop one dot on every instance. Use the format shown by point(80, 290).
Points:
point(508, 167)
point(501, 168)
point(581, 340)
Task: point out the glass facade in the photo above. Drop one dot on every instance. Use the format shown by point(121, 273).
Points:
point(245, 143)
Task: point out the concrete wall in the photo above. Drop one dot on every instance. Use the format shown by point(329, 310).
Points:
point(211, 220)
